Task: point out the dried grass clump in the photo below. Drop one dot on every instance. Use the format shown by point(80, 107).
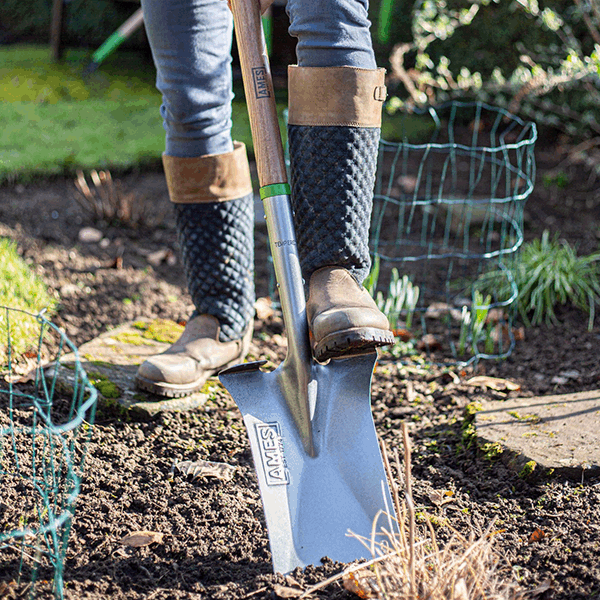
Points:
point(105, 200)
point(410, 563)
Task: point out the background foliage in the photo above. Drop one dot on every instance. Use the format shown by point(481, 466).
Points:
point(540, 60)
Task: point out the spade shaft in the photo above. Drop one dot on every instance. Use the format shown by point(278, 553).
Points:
point(310, 426)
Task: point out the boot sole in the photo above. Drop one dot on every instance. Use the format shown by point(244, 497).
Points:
point(351, 341)
point(173, 390)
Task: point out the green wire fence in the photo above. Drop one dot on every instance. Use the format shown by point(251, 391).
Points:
point(45, 427)
point(447, 223)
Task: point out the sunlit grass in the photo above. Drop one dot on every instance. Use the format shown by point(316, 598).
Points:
point(54, 120)
point(20, 288)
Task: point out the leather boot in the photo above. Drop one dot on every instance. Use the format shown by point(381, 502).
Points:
point(197, 355)
point(333, 130)
point(214, 208)
point(343, 319)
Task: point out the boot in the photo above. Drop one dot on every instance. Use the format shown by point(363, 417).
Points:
point(333, 131)
point(214, 208)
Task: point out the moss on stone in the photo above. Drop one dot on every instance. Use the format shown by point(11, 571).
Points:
point(528, 469)
point(491, 450)
point(132, 338)
point(163, 330)
point(104, 385)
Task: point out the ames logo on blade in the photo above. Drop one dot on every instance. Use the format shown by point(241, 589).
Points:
point(271, 453)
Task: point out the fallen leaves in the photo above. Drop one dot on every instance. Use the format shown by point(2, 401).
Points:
point(536, 536)
point(292, 590)
point(493, 383)
point(264, 309)
point(205, 468)
point(138, 539)
point(362, 583)
point(441, 497)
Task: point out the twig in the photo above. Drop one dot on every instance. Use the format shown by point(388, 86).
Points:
point(410, 505)
point(258, 591)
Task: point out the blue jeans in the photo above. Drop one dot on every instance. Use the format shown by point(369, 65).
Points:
point(191, 46)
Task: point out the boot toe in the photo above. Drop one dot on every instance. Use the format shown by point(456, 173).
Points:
point(343, 318)
point(170, 376)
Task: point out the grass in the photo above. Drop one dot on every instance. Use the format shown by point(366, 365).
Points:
point(410, 563)
point(55, 121)
point(20, 289)
point(548, 274)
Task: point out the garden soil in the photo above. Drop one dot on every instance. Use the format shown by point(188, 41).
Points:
point(212, 541)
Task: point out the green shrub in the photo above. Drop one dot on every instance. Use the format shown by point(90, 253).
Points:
point(540, 61)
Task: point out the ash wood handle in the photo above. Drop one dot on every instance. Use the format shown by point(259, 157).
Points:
point(260, 98)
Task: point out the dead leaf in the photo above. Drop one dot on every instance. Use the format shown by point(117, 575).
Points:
point(403, 334)
point(205, 468)
point(439, 497)
point(536, 536)
point(361, 585)
point(519, 333)
point(429, 342)
point(500, 332)
point(493, 383)
point(291, 581)
point(283, 591)
point(264, 308)
point(137, 539)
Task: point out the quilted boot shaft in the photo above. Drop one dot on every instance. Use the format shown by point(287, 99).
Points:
point(332, 178)
point(217, 248)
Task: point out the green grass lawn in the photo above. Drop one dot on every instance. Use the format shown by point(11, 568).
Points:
point(20, 289)
point(54, 120)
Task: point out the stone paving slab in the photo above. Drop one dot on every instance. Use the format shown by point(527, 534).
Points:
point(560, 434)
point(111, 362)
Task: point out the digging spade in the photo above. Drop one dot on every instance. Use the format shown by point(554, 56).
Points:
point(310, 427)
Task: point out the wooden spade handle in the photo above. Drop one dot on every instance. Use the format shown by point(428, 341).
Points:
point(260, 98)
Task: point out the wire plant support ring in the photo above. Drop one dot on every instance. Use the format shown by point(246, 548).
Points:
point(447, 226)
point(45, 428)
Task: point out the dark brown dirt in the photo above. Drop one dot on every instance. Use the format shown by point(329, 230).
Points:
point(215, 544)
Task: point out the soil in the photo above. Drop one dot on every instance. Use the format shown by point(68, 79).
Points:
point(214, 543)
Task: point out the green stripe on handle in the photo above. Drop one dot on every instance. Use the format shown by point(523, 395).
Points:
point(275, 189)
point(109, 45)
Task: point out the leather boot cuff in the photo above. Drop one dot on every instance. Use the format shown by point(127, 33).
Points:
point(209, 178)
point(336, 96)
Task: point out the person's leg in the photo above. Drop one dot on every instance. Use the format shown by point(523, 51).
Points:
point(336, 95)
point(209, 184)
point(190, 42)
